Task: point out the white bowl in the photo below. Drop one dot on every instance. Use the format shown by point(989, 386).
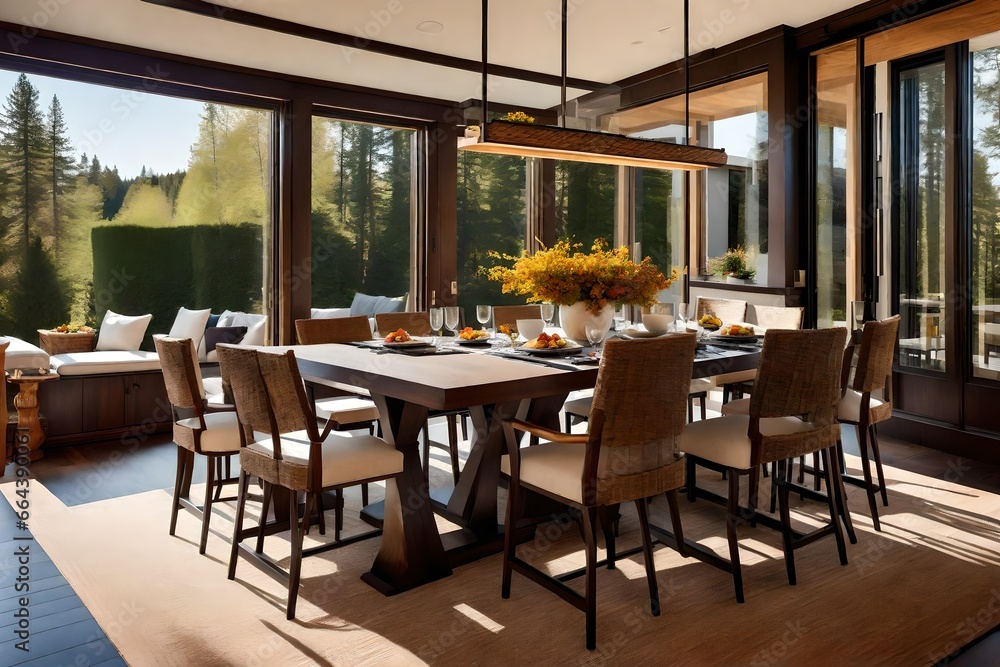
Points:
point(530, 329)
point(657, 324)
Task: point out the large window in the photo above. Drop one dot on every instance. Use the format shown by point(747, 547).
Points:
point(985, 180)
point(835, 172)
point(585, 202)
point(921, 210)
point(491, 216)
point(362, 211)
point(129, 201)
point(659, 219)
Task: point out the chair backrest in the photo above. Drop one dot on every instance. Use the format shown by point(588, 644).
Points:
point(286, 394)
point(3, 390)
point(878, 344)
point(727, 310)
point(511, 314)
point(778, 317)
point(637, 416)
point(181, 375)
point(240, 371)
point(333, 330)
point(799, 374)
point(414, 323)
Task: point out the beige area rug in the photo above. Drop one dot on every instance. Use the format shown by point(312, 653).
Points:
point(927, 585)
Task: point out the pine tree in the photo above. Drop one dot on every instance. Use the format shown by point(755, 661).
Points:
point(60, 163)
point(39, 299)
point(22, 139)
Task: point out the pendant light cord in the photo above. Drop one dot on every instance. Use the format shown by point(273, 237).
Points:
point(485, 115)
point(687, 73)
point(562, 98)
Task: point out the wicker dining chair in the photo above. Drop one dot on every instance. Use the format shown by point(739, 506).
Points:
point(792, 412)
point(198, 429)
point(418, 323)
point(768, 317)
point(630, 454)
point(727, 310)
point(511, 314)
point(287, 451)
point(868, 401)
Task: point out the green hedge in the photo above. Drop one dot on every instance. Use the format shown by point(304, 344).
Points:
point(140, 270)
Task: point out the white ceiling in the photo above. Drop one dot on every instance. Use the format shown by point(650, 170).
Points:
point(608, 39)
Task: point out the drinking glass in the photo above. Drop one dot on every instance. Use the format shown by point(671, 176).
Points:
point(436, 316)
point(596, 331)
point(619, 319)
point(483, 314)
point(682, 313)
point(451, 318)
point(548, 313)
point(858, 309)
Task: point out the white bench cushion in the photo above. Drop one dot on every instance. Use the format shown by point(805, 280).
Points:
point(107, 361)
point(23, 355)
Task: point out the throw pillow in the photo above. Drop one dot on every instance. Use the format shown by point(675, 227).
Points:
point(365, 304)
point(255, 333)
point(190, 324)
point(213, 320)
point(328, 313)
point(224, 335)
point(122, 332)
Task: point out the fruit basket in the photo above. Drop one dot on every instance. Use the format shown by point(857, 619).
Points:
point(57, 342)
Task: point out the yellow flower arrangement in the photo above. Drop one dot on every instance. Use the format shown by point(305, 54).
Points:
point(564, 275)
point(518, 117)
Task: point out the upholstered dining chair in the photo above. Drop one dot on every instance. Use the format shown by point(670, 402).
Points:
point(511, 314)
point(418, 323)
point(284, 448)
point(868, 402)
point(198, 429)
point(578, 409)
point(727, 310)
point(792, 412)
point(630, 454)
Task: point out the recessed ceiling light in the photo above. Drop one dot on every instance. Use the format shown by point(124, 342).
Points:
point(430, 27)
point(664, 29)
point(637, 42)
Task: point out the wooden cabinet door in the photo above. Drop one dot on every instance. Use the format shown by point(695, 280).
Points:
point(146, 400)
point(103, 403)
point(60, 402)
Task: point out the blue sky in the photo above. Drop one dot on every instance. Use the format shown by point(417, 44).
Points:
point(123, 127)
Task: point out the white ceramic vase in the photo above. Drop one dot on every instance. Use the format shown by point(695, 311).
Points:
point(573, 320)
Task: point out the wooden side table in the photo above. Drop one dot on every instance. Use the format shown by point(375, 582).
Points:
point(26, 402)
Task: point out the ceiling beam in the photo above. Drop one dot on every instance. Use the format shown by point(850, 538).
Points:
point(242, 17)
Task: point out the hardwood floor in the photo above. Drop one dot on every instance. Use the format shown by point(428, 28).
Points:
point(64, 633)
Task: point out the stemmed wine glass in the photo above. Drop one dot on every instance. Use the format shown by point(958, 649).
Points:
point(483, 314)
point(436, 316)
point(682, 315)
point(548, 313)
point(596, 331)
point(859, 314)
point(451, 318)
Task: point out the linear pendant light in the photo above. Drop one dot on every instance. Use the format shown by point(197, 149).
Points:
point(561, 143)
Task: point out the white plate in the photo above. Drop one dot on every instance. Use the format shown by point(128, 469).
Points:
point(571, 348)
point(639, 331)
point(474, 341)
point(736, 339)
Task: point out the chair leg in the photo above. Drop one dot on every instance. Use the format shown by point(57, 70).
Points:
point(321, 513)
point(590, 594)
point(295, 560)
point(878, 464)
point(427, 453)
point(802, 470)
point(453, 448)
point(690, 478)
point(832, 500)
point(307, 512)
point(786, 527)
point(816, 471)
point(206, 512)
point(338, 521)
point(704, 411)
point(647, 551)
point(866, 471)
point(774, 484)
point(241, 505)
point(725, 393)
point(836, 475)
point(265, 506)
point(752, 492)
point(465, 425)
point(690, 409)
point(509, 542)
point(606, 515)
point(178, 481)
point(219, 476)
point(732, 518)
point(675, 520)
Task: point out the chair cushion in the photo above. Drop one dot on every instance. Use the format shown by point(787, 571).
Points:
point(347, 409)
point(122, 332)
point(849, 409)
point(222, 433)
point(190, 324)
point(735, 378)
point(108, 361)
point(212, 390)
point(556, 467)
point(699, 385)
point(23, 355)
point(346, 458)
point(579, 406)
point(740, 406)
point(724, 440)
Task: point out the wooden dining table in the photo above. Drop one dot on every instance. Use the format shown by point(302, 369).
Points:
point(493, 387)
